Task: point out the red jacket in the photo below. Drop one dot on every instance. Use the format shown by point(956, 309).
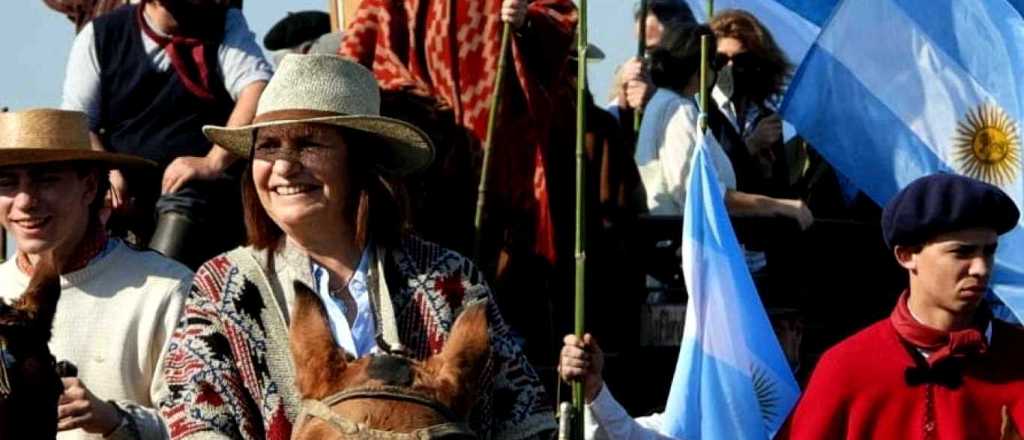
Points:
point(858, 391)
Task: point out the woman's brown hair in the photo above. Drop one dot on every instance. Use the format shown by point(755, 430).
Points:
point(774, 68)
point(379, 210)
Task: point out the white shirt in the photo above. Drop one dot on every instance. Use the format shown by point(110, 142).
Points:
point(664, 152)
point(605, 419)
point(240, 58)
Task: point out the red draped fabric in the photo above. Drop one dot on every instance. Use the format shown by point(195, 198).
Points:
point(447, 51)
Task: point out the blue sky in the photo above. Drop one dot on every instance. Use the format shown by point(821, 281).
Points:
point(35, 41)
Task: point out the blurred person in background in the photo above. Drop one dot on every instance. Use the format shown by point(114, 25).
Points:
point(297, 33)
point(149, 76)
point(633, 87)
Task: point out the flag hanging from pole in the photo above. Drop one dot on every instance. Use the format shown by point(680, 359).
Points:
point(732, 380)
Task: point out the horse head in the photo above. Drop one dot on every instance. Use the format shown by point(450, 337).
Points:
point(384, 395)
point(29, 383)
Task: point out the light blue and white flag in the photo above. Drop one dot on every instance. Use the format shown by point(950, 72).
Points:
point(896, 89)
point(732, 380)
point(794, 24)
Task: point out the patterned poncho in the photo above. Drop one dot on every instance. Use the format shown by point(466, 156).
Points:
point(447, 51)
point(229, 372)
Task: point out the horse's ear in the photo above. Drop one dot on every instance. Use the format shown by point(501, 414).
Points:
point(318, 359)
point(465, 354)
point(40, 298)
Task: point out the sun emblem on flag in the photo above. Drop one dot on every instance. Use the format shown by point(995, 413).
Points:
point(987, 145)
point(767, 395)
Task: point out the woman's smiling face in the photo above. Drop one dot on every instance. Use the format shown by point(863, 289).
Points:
point(301, 174)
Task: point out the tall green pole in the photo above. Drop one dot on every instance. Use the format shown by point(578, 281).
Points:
point(580, 249)
point(481, 190)
point(641, 54)
point(704, 60)
point(703, 82)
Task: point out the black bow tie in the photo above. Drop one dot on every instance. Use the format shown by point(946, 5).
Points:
point(947, 373)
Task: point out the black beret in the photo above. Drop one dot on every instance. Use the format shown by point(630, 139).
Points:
point(297, 28)
point(939, 203)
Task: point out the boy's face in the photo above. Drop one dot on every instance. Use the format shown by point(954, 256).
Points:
point(45, 206)
point(953, 269)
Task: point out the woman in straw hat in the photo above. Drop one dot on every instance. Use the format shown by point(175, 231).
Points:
point(320, 212)
point(52, 187)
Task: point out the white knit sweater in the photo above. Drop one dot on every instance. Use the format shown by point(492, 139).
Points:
point(113, 321)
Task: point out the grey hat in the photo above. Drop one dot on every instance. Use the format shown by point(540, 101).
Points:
point(326, 89)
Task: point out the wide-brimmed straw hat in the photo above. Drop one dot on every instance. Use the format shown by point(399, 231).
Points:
point(325, 89)
point(49, 135)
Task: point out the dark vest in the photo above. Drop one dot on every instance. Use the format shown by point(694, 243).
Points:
point(146, 112)
point(748, 174)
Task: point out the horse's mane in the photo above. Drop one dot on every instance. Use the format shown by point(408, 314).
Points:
point(37, 305)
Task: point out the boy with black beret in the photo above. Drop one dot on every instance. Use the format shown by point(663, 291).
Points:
point(940, 367)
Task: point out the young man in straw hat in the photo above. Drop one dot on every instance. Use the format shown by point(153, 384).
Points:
point(118, 305)
point(940, 367)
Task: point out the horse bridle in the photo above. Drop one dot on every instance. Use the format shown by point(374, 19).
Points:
point(321, 409)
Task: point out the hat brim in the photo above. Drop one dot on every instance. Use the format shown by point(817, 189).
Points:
point(33, 156)
point(407, 149)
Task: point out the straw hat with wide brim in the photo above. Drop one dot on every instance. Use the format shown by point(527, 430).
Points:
point(49, 135)
point(326, 89)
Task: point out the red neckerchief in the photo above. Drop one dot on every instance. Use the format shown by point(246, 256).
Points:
point(90, 246)
point(941, 344)
point(175, 46)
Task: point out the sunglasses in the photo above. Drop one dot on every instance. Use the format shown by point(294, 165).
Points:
point(742, 61)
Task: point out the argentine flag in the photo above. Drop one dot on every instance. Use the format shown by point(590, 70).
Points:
point(794, 24)
point(732, 380)
point(896, 89)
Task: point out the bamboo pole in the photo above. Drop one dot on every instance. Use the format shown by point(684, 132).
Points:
point(481, 192)
point(703, 120)
point(704, 60)
point(580, 246)
point(641, 54)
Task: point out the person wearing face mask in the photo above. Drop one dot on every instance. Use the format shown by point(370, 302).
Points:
point(148, 76)
point(752, 72)
point(668, 134)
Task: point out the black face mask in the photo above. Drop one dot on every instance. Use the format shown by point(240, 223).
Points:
point(738, 78)
point(726, 82)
